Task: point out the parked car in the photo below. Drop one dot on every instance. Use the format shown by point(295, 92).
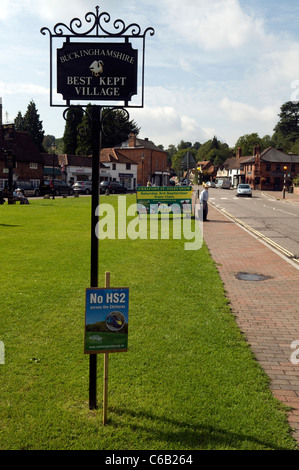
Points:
point(60, 188)
point(219, 184)
point(84, 187)
point(244, 190)
point(211, 184)
point(27, 188)
point(112, 186)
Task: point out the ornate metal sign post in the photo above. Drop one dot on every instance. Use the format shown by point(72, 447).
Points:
point(102, 66)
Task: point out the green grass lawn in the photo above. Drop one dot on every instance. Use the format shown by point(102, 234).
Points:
point(188, 381)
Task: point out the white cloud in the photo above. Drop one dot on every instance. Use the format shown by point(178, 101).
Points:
point(23, 88)
point(165, 125)
point(212, 24)
point(241, 112)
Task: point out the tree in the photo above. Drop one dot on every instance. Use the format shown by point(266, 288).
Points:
point(286, 131)
point(48, 143)
point(247, 142)
point(84, 133)
point(178, 157)
point(33, 126)
point(171, 151)
point(19, 122)
point(213, 150)
point(116, 129)
point(70, 137)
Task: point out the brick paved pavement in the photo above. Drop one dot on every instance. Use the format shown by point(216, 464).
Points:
point(266, 311)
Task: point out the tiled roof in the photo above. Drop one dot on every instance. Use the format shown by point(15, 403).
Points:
point(115, 156)
point(273, 155)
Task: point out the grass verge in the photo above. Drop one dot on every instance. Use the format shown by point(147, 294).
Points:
point(189, 380)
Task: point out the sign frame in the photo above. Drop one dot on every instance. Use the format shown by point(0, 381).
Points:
point(97, 31)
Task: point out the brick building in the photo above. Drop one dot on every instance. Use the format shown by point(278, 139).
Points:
point(151, 160)
point(267, 169)
point(29, 164)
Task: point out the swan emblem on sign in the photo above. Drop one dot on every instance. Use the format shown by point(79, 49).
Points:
point(97, 67)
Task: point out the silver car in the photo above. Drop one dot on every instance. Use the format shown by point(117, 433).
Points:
point(84, 187)
point(244, 190)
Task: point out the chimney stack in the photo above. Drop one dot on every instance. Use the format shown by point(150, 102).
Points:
point(132, 140)
point(239, 152)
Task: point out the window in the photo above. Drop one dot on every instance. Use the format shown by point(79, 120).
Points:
point(278, 167)
point(268, 167)
point(3, 183)
point(128, 166)
point(113, 166)
point(33, 166)
point(35, 183)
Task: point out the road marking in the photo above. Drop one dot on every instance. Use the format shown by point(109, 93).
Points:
point(285, 212)
point(260, 235)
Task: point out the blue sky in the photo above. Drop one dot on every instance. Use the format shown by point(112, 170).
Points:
point(213, 67)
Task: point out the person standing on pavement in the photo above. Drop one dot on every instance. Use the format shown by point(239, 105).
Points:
point(203, 200)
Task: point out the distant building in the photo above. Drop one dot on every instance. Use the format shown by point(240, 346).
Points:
point(151, 160)
point(75, 168)
point(118, 167)
point(29, 165)
point(267, 169)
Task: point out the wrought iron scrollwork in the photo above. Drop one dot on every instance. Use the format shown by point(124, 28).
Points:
point(97, 28)
point(69, 115)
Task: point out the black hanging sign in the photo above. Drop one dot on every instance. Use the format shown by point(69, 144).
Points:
point(97, 71)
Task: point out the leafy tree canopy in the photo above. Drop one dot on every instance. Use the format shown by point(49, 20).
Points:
point(247, 142)
point(213, 150)
point(31, 124)
point(34, 126)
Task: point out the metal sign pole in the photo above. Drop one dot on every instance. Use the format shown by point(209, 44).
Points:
point(96, 124)
point(98, 71)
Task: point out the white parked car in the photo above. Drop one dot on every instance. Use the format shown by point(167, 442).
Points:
point(244, 190)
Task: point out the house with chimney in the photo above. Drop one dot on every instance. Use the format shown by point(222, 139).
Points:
point(151, 160)
point(115, 166)
point(269, 168)
point(233, 169)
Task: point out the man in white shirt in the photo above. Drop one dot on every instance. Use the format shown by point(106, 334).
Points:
point(203, 200)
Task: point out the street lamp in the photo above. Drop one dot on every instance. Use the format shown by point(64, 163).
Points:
point(142, 163)
point(284, 181)
point(53, 163)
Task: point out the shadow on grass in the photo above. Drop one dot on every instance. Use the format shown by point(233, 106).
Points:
point(9, 225)
point(188, 435)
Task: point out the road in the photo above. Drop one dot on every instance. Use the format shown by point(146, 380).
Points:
point(275, 221)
